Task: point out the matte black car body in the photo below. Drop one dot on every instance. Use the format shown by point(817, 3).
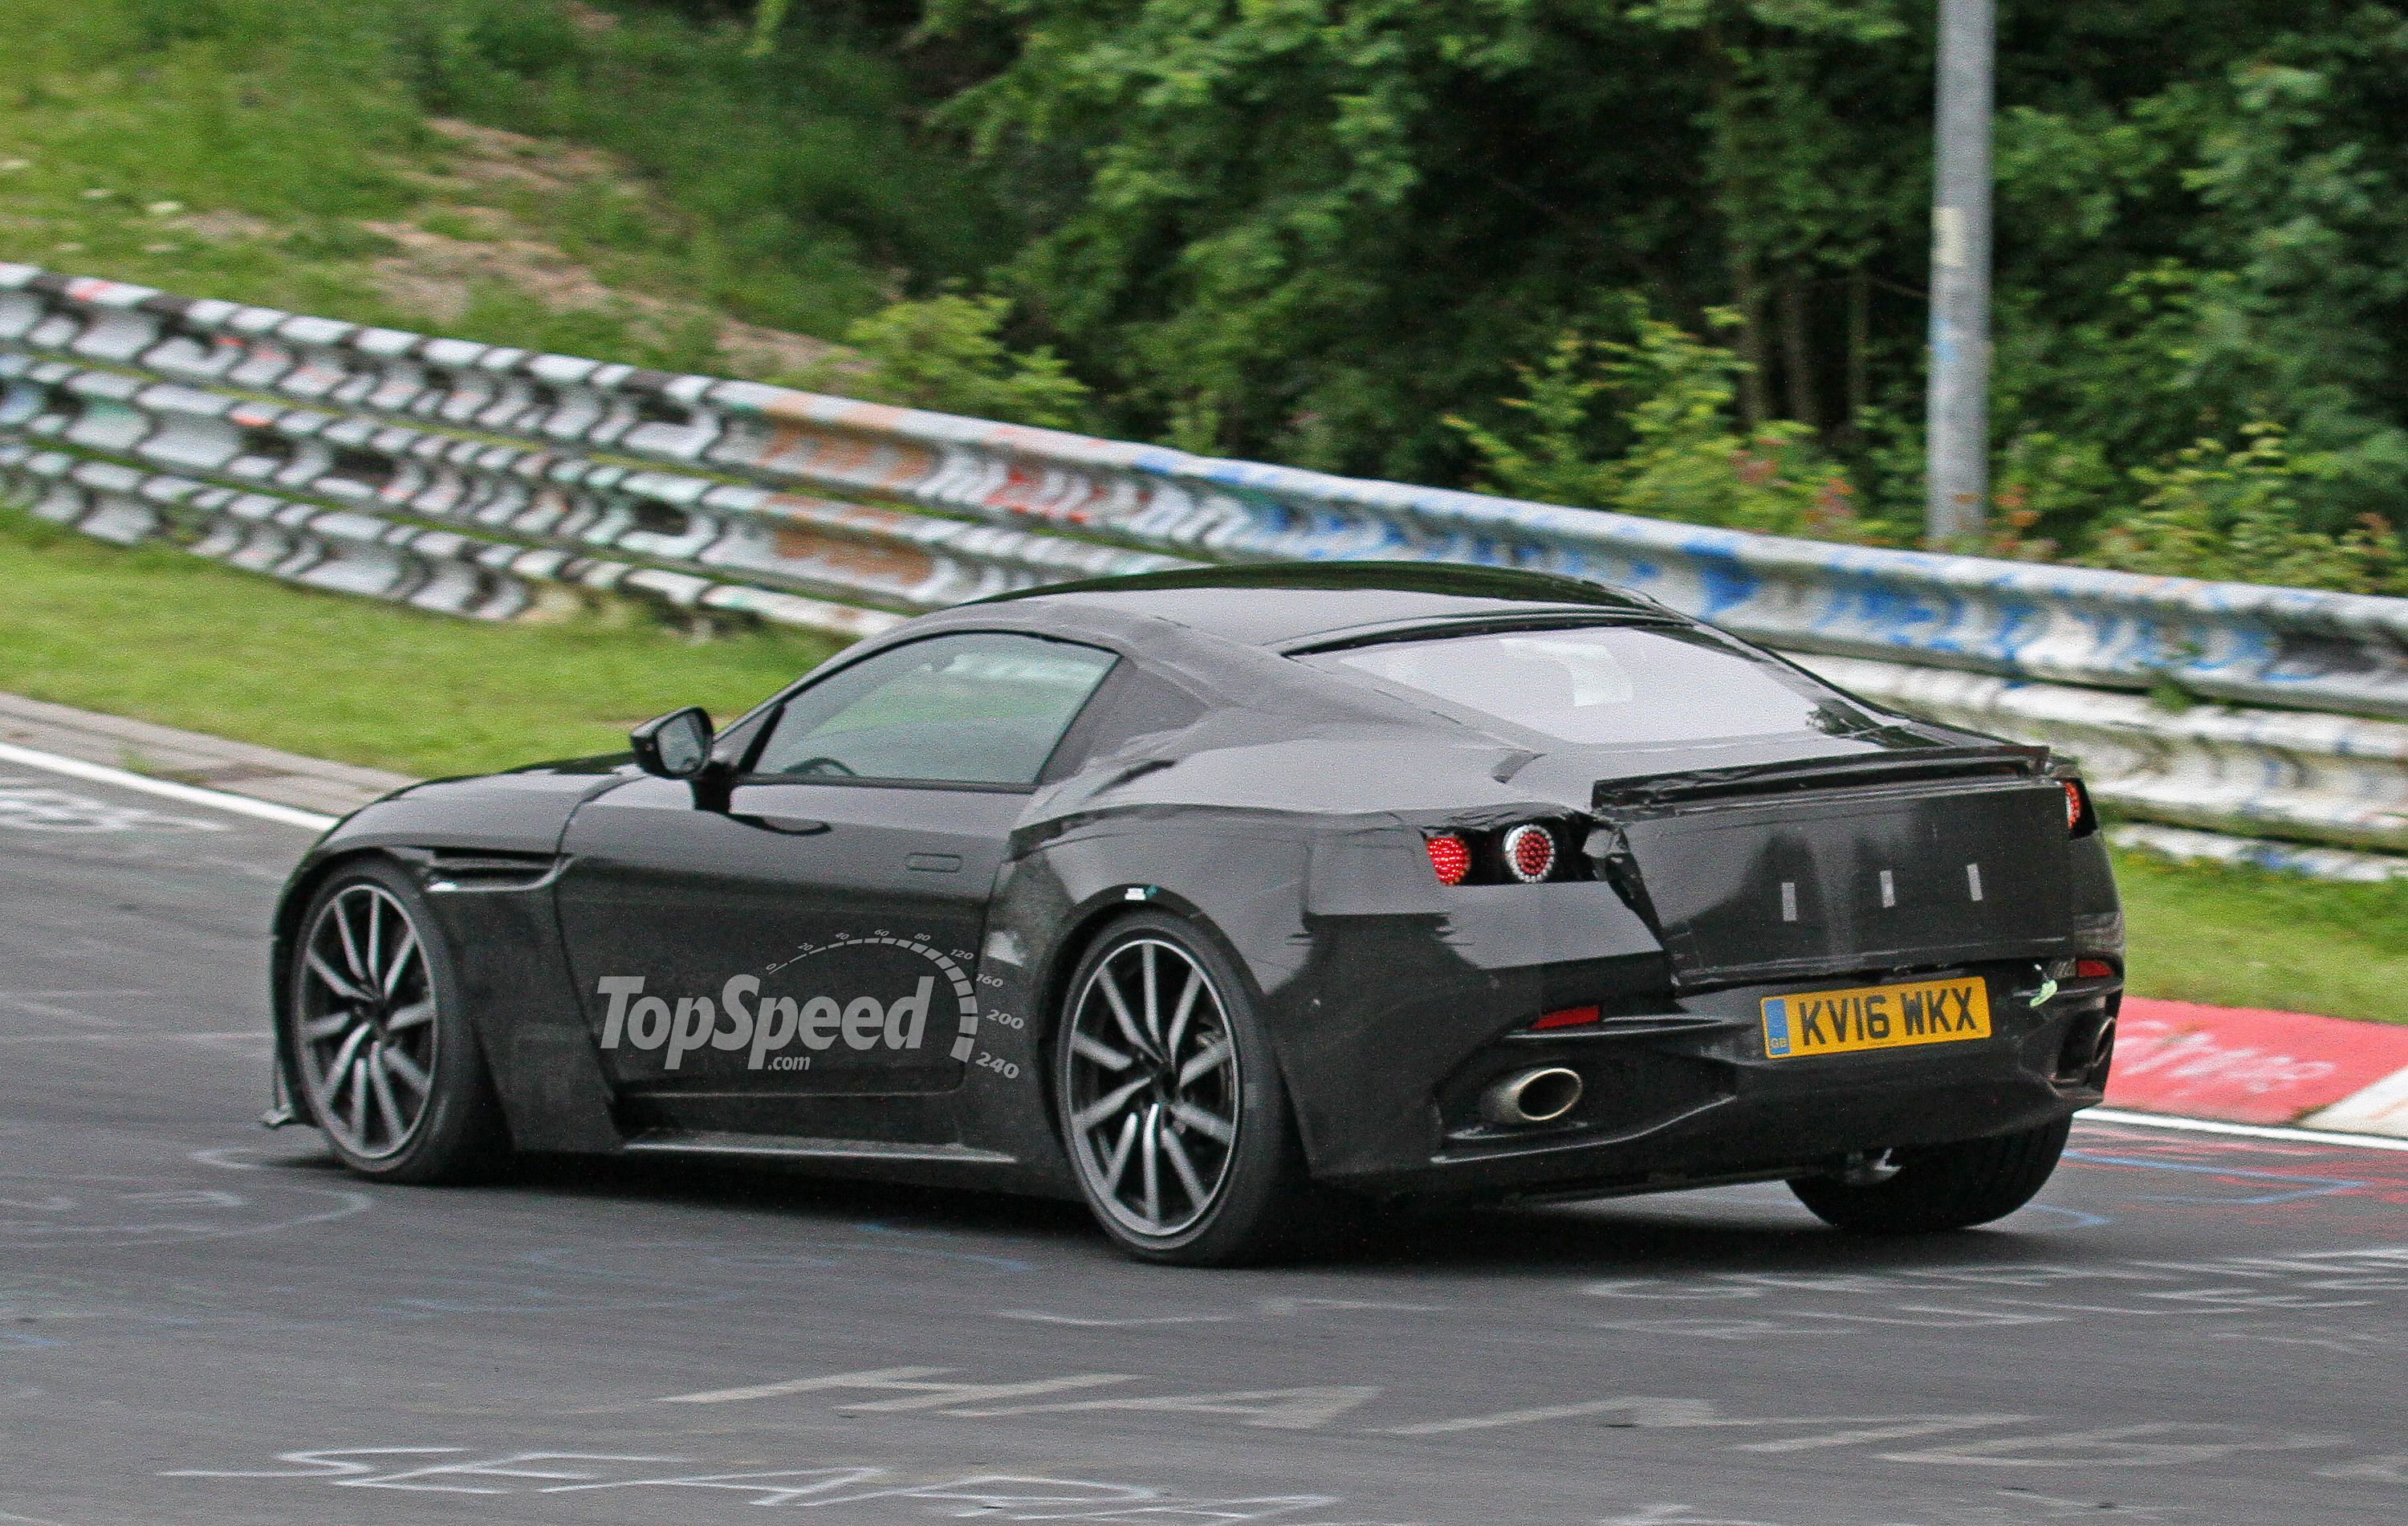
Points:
point(1281, 810)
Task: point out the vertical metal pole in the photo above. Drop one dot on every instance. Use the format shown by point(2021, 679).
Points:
point(1956, 446)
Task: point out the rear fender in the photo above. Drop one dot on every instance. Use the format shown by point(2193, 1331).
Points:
point(1238, 884)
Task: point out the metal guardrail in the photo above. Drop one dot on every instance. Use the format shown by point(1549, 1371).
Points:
point(348, 551)
point(2331, 778)
point(848, 551)
point(2288, 647)
point(465, 477)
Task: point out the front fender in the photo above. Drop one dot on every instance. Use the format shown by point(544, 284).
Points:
point(485, 854)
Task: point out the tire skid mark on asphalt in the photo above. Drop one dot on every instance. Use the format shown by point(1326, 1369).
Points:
point(996, 1494)
point(27, 805)
point(560, 1281)
point(2231, 1288)
point(504, 1288)
point(1956, 1441)
point(35, 1210)
point(2080, 1219)
point(1269, 1307)
point(2309, 1187)
point(988, 1495)
point(216, 1155)
point(232, 1041)
point(890, 1231)
point(39, 1002)
point(2022, 1504)
point(2384, 1346)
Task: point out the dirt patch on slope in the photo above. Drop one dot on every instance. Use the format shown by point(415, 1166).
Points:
point(483, 226)
point(437, 275)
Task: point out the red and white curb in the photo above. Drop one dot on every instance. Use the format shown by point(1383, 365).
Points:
point(2241, 1065)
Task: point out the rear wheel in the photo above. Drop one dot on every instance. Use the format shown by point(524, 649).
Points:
point(1172, 1108)
point(1942, 1187)
point(379, 1039)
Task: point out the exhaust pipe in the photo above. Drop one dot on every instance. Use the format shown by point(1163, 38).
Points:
point(1527, 1097)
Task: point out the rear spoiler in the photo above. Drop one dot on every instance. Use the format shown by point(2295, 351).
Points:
point(1673, 790)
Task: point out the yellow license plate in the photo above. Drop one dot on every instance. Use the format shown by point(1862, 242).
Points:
point(1875, 1017)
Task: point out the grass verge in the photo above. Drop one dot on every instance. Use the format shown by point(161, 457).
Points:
point(2250, 937)
point(679, 203)
point(161, 635)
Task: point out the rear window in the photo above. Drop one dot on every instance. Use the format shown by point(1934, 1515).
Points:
point(1604, 685)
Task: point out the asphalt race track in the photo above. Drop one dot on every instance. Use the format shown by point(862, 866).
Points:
point(200, 1321)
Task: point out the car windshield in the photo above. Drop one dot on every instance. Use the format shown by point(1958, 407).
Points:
point(1604, 685)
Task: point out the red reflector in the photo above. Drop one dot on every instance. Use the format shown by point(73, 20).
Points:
point(2093, 970)
point(1530, 852)
point(1450, 856)
point(2074, 804)
point(1567, 1017)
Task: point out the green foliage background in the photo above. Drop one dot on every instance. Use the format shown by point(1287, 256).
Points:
point(1316, 230)
point(1660, 255)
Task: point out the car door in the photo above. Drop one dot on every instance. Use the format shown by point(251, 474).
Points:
point(800, 958)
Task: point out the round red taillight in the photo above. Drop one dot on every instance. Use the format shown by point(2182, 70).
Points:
point(1449, 857)
point(1530, 852)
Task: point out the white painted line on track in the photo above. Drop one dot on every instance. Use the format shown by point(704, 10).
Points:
point(2246, 1130)
point(100, 773)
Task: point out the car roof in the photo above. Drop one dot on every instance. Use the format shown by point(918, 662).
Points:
point(1280, 604)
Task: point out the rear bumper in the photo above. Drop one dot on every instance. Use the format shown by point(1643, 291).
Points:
point(1687, 1098)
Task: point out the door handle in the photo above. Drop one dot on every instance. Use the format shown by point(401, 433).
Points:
point(935, 863)
point(790, 826)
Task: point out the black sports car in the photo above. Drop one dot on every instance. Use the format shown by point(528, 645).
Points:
point(1223, 897)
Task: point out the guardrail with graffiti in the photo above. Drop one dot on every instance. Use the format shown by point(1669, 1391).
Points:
point(473, 479)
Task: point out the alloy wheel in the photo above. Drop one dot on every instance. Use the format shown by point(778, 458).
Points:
point(366, 1031)
point(1151, 1087)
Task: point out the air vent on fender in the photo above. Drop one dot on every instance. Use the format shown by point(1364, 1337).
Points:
point(488, 869)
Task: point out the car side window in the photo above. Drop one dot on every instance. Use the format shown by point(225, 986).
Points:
point(979, 708)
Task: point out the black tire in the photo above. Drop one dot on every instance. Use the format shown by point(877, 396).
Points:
point(1942, 1186)
point(355, 1050)
point(1251, 1210)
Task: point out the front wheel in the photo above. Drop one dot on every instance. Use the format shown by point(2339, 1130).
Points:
point(1172, 1108)
point(1942, 1187)
point(389, 1070)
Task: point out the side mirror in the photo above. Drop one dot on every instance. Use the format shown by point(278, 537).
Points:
point(675, 746)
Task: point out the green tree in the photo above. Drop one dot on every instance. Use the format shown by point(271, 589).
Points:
point(1315, 228)
point(1678, 451)
point(944, 353)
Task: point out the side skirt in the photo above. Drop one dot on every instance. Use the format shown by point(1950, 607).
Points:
point(788, 1147)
